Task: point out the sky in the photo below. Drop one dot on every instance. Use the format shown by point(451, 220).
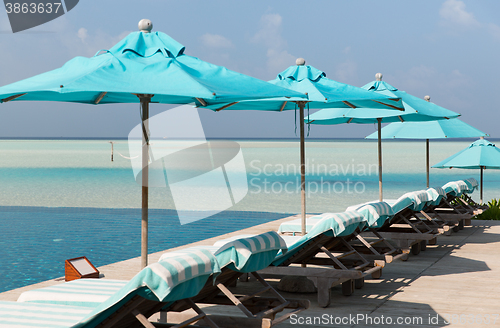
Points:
point(447, 49)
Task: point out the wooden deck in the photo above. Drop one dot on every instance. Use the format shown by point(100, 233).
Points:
point(456, 279)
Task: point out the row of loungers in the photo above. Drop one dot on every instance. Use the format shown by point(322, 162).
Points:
point(366, 237)
point(177, 282)
point(339, 248)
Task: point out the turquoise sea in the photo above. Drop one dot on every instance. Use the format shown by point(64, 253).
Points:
point(61, 199)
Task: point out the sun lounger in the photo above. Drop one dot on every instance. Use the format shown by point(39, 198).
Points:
point(246, 255)
point(394, 225)
point(454, 191)
point(472, 185)
point(160, 286)
point(325, 256)
point(452, 208)
point(406, 229)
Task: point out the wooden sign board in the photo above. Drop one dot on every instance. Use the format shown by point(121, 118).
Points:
point(79, 267)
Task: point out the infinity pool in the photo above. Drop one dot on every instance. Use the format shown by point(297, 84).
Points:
point(35, 241)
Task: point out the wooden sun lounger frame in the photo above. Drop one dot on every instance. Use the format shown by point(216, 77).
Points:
point(409, 232)
point(260, 311)
point(135, 314)
point(445, 214)
point(340, 263)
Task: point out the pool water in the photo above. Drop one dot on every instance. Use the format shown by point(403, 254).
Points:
point(37, 240)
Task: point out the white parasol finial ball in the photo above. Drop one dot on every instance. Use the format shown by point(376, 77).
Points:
point(300, 62)
point(427, 98)
point(145, 25)
point(378, 76)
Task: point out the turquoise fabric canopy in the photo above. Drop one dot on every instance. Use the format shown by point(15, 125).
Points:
point(416, 110)
point(321, 93)
point(481, 154)
point(453, 128)
point(142, 63)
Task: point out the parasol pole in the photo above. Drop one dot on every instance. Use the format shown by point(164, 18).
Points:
point(301, 105)
point(428, 99)
point(380, 195)
point(145, 100)
point(481, 193)
point(427, 159)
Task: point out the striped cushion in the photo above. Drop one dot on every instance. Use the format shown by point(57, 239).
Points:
point(80, 292)
point(399, 204)
point(181, 274)
point(249, 253)
point(455, 188)
point(376, 213)
point(435, 195)
point(419, 199)
point(34, 315)
point(472, 185)
point(295, 226)
point(332, 224)
point(176, 268)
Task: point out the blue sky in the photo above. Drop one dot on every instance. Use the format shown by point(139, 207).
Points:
point(447, 49)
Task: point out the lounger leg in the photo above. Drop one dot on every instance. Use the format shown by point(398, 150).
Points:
point(348, 287)
point(433, 241)
point(359, 283)
point(423, 245)
point(461, 224)
point(377, 274)
point(324, 291)
point(415, 249)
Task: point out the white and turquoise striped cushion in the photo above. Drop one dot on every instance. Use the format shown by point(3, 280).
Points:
point(295, 226)
point(35, 315)
point(341, 224)
point(420, 199)
point(472, 185)
point(180, 275)
point(176, 268)
point(455, 188)
point(399, 204)
point(376, 213)
point(80, 292)
point(249, 253)
point(435, 195)
point(332, 224)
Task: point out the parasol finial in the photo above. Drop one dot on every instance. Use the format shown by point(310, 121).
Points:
point(145, 25)
point(378, 76)
point(300, 62)
point(427, 98)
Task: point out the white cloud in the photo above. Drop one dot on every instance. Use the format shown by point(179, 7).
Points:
point(215, 41)
point(419, 78)
point(454, 12)
point(82, 34)
point(494, 30)
point(346, 71)
point(457, 80)
point(269, 34)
